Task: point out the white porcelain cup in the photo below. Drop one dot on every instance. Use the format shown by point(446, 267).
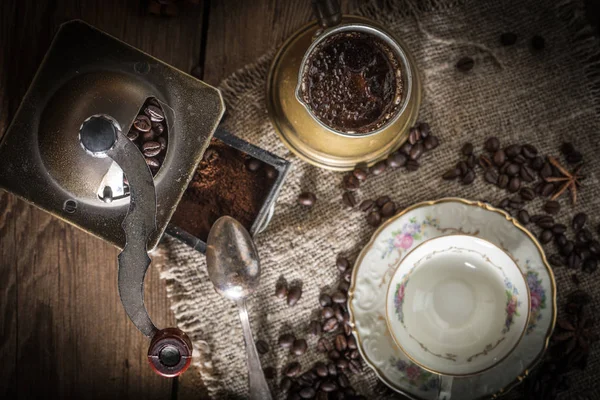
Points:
point(457, 305)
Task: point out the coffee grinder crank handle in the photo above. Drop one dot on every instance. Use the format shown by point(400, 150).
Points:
point(170, 350)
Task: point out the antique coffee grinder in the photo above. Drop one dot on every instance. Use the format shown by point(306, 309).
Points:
point(67, 151)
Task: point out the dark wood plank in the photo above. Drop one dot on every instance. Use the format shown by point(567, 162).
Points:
point(240, 31)
point(64, 332)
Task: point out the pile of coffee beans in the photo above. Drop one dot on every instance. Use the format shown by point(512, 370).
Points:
point(420, 140)
point(149, 133)
point(325, 380)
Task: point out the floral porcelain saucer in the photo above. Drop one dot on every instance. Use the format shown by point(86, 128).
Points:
point(390, 244)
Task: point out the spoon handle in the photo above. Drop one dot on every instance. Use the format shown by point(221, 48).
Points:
point(259, 390)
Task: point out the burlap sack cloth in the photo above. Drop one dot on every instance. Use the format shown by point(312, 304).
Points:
point(519, 95)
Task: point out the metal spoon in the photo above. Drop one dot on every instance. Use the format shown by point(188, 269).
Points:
point(234, 269)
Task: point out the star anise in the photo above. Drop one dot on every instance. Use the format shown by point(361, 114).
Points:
point(569, 180)
point(574, 338)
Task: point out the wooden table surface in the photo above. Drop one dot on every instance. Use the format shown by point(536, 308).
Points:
point(63, 331)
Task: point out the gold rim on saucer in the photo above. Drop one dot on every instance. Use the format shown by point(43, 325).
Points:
point(397, 342)
point(518, 379)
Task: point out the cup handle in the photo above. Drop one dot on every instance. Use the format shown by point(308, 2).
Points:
point(328, 12)
point(445, 387)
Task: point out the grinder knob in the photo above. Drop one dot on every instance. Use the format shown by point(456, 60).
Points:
point(170, 352)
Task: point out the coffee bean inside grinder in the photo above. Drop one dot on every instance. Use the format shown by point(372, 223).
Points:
point(226, 182)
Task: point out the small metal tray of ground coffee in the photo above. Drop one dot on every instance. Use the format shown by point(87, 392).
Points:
point(233, 178)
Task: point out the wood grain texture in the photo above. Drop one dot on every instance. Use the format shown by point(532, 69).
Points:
point(64, 332)
point(241, 31)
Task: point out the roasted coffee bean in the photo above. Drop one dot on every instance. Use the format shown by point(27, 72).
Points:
point(451, 174)
point(485, 162)
point(425, 129)
point(537, 163)
point(471, 161)
point(559, 229)
point(253, 164)
point(294, 295)
point(567, 248)
point(374, 218)
point(538, 43)
point(286, 340)
point(579, 221)
point(332, 369)
point(516, 202)
point(465, 64)
point(342, 364)
point(299, 347)
point(328, 386)
point(590, 265)
point(396, 160)
point(503, 181)
point(285, 385)
point(324, 345)
point(431, 142)
point(513, 150)
point(546, 171)
point(381, 200)
point(307, 379)
point(584, 252)
point(463, 167)
point(512, 170)
point(262, 347)
point(163, 142)
point(388, 209)
point(537, 217)
point(307, 199)
point(519, 159)
point(574, 158)
point(339, 297)
point(467, 149)
point(583, 235)
point(269, 373)
point(555, 260)
point(414, 135)
point(417, 151)
point(327, 312)
point(152, 162)
point(360, 174)
point(321, 369)
point(142, 123)
point(469, 177)
point(307, 393)
point(338, 312)
point(344, 286)
point(292, 369)
point(567, 148)
point(334, 355)
point(594, 247)
point(492, 144)
point(527, 193)
point(523, 217)
point(158, 127)
point(545, 236)
point(379, 168)
point(547, 189)
point(552, 207)
point(350, 182)
point(314, 328)
point(545, 222)
point(504, 204)
point(529, 151)
point(412, 165)
point(343, 380)
point(324, 299)
point(560, 239)
point(155, 113)
point(514, 185)
point(367, 205)
point(148, 136)
point(330, 325)
point(491, 176)
point(151, 149)
point(355, 366)
point(527, 174)
point(133, 134)
point(348, 199)
point(341, 344)
point(405, 148)
point(499, 158)
point(508, 39)
point(573, 261)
